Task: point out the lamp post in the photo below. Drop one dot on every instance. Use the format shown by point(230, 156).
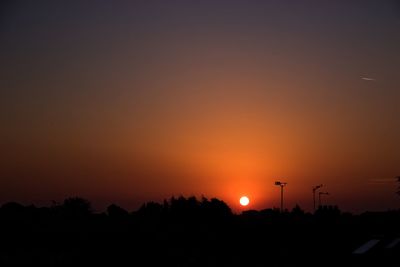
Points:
point(282, 185)
point(315, 188)
point(319, 197)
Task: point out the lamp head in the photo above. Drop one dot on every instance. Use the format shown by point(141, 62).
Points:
point(317, 187)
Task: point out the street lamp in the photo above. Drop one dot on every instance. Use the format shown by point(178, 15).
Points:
point(315, 188)
point(282, 185)
point(319, 197)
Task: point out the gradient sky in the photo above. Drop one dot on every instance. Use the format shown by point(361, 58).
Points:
point(132, 101)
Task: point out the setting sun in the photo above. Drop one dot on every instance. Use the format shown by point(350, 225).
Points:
point(244, 201)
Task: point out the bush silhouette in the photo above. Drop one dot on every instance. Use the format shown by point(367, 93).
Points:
point(115, 211)
point(75, 207)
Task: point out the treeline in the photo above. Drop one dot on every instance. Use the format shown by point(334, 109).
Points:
point(179, 208)
point(80, 208)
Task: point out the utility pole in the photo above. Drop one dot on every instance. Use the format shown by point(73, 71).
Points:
point(315, 188)
point(282, 185)
point(319, 197)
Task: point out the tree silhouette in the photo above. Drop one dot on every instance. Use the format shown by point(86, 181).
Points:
point(215, 208)
point(115, 211)
point(297, 211)
point(187, 209)
point(12, 210)
point(76, 207)
point(328, 213)
point(150, 209)
point(398, 188)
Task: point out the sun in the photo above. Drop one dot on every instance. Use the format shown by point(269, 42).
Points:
point(244, 201)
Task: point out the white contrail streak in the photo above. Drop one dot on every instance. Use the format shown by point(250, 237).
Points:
point(367, 79)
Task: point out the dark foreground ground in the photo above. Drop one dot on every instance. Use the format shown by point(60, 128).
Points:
point(158, 235)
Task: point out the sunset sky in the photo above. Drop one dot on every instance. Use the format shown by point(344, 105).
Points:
point(132, 101)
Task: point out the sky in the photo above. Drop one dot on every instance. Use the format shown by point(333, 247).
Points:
point(133, 101)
